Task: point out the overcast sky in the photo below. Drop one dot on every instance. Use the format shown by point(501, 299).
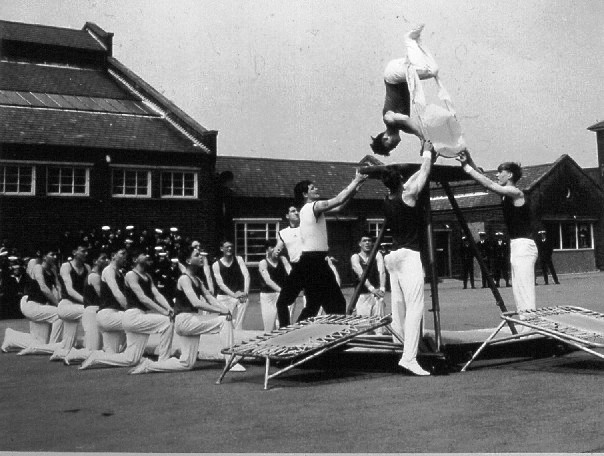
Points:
point(303, 79)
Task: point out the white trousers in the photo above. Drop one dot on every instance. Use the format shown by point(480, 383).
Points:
point(236, 308)
point(268, 308)
point(369, 305)
point(189, 327)
point(92, 336)
point(523, 255)
point(71, 314)
point(138, 324)
point(407, 296)
point(45, 329)
point(109, 322)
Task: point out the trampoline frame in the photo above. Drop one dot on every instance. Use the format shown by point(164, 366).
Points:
point(570, 339)
point(243, 350)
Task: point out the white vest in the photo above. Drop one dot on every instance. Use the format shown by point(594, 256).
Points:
point(313, 230)
point(291, 238)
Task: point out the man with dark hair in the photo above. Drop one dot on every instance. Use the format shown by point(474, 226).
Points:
point(233, 280)
point(520, 225)
point(546, 249)
point(314, 275)
point(72, 277)
point(404, 217)
point(371, 298)
point(148, 313)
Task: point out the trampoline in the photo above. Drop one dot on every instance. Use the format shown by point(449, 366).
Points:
point(575, 326)
point(303, 341)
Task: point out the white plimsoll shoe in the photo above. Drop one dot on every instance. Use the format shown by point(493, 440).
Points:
point(413, 367)
point(87, 362)
point(140, 368)
point(238, 368)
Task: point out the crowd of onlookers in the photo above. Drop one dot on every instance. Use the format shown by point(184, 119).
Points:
point(163, 245)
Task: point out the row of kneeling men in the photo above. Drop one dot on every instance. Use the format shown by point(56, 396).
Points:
point(118, 312)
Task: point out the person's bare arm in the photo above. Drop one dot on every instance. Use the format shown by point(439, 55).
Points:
point(288, 266)
point(415, 185)
point(160, 298)
point(95, 281)
point(115, 290)
point(246, 279)
point(38, 274)
point(208, 275)
point(342, 197)
point(263, 269)
point(132, 282)
point(470, 168)
point(71, 292)
point(184, 282)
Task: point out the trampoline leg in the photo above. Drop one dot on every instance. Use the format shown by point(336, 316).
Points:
point(483, 346)
point(266, 369)
point(227, 368)
point(396, 336)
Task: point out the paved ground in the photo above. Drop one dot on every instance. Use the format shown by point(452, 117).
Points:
point(348, 403)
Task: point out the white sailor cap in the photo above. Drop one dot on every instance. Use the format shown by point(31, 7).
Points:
point(481, 232)
point(130, 227)
point(173, 229)
point(195, 244)
point(174, 260)
point(498, 233)
point(159, 230)
point(541, 232)
point(159, 248)
point(128, 241)
point(105, 227)
point(13, 258)
point(163, 254)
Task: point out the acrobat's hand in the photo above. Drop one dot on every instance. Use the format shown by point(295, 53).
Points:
point(463, 157)
point(360, 178)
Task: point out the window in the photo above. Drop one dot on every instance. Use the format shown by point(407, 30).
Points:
point(17, 180)
point(374, 227)
point(250, 237)
point(178, 184)
point(68, 181)
point(131, 183)
point(571, 235)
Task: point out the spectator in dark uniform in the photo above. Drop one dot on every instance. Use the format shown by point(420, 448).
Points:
point(467, 259)
point(501, 259)
point(546, 248)
point(485, 249)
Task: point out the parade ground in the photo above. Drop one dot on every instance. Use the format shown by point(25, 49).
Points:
point(518, 401)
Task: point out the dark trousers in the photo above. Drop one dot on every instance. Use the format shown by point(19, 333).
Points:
point(313, 275)
point(546, 263)
point(468, 272)
point(501, 271)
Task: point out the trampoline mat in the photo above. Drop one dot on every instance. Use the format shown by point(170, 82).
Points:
point(307, 336)
point(581, 324)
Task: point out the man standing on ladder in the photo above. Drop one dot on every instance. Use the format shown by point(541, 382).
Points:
point(404, 216)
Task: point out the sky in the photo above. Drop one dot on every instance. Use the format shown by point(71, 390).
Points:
point(303, 79)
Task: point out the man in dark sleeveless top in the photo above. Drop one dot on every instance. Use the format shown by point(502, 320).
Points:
point(233, 280)
point(39, 306)
point(404, 217)
point(191, 296)
point(92, 301)
point(72, 277)
point(371, 298)
point(148, 313)
point(273, 272)
point(518, 218)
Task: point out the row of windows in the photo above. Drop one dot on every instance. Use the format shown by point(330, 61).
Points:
point(75, 181)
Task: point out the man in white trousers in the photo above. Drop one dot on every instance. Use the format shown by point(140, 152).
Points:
point(519, 219)
point(190, 298)
point(72, 278)
point(273, 272)
point(148, 313)
point(404, 217)
point(233, 280)
point(39, 306)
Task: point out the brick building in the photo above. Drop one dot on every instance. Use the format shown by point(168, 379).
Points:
point(568, 204)
point(85, 142)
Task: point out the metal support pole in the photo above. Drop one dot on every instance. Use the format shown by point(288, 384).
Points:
point(370, 262)
point(433, 270)
point(483, 267)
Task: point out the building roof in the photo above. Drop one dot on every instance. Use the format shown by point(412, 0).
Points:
point(90, 129)
point(77, 104)
point(61, 80)
point(46, 35)
point(275, 178)
point(597, 126)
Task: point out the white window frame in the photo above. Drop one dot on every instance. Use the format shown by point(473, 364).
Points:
point(375, 232)
point(32, 192)
point(559, 224)
point(242, 250)
point(135, 170)
point(183, 172)
point(73, 167)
